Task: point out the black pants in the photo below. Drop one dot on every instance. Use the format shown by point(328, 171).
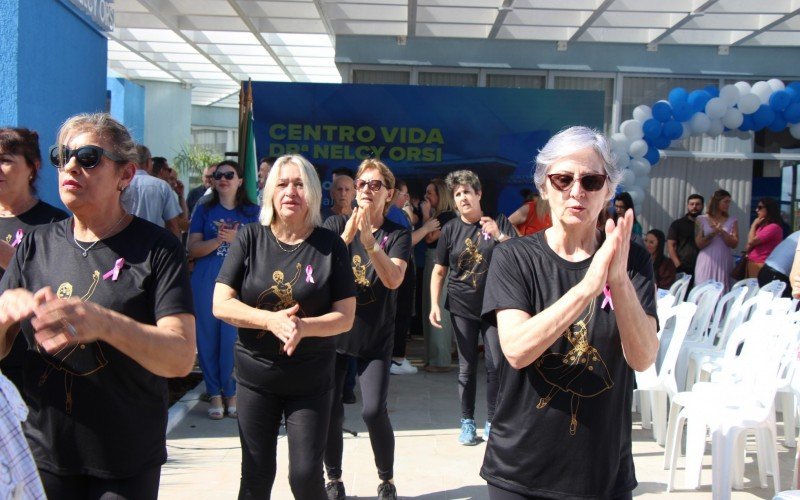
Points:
point(405, 304)
point(496, 493)
point(768, 274)
point(467, 332)
point(142, 486)
point(306, 427)
point(373, 377)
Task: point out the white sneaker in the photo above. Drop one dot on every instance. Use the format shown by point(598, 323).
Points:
point(404, 368)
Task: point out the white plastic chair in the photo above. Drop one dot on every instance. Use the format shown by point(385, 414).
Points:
point(659, 383)
point(705, 296)
point(680, 286)
point(750, 284)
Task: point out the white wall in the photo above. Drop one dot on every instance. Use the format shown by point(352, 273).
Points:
point(168, 115)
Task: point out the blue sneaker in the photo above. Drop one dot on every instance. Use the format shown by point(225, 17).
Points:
point(468, 436)
point(486, 430)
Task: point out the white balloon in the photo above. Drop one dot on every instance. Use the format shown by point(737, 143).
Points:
point(687, 132)
point(623, 160)
point(729, 94)
point(763, 91)
point(638, 148)
point(715, 128)
point(632, 129)
point(744, 87)
point(749, 103)
point(776, 84)
point(795, 130)
point(699, 123)
point(628, 177)
point(643, 182)
point(733, 118)
point(716, 107)
point(642, 113)
point(637, 194)
point(620, 138)
point(640, 167)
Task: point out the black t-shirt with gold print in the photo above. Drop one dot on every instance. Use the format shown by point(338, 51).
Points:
point(93, 409)
point(466, 251)
point(562, 428)
point(372, 335)
point(275, 276)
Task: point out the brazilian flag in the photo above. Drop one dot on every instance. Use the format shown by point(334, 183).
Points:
point(247, 142)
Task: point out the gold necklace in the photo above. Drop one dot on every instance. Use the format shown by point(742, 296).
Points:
point(295, 246)
point(86, 250)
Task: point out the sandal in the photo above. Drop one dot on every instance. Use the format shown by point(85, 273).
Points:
point(216, 412)
point(232, 413)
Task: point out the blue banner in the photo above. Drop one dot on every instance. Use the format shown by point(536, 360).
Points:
point(421, 132)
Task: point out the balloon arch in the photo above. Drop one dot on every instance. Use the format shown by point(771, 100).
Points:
point(711, 111)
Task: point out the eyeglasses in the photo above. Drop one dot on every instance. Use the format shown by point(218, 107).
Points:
point(229, 175)
point(85, 156)
point(374, 185)
point(591, 182)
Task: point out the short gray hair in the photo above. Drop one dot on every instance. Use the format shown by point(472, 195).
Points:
point(462, 178)
point(570, 141)
point(103, 126)
point(311, 188)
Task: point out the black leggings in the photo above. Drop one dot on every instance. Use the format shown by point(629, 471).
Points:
point(768, 274)
point(496, 493)
point(405, 304)
point(306, 427)
point(467, 332)
point(142, 486)
point(373, 377)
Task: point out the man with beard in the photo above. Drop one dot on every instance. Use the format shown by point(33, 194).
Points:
point(680, 240)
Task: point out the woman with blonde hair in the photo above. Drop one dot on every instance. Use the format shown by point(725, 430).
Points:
point(104, 302)
point(379, 253)
point(438, 204)
point(287, 286)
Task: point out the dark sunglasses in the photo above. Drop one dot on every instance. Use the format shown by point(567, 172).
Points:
point(375, 185)
point(227, 175)
point(85, 156)
point(592, 182)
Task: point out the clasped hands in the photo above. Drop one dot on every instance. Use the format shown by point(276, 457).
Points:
point(57, 322)
point(359, 222)
point(610, 262)
point(287, 327)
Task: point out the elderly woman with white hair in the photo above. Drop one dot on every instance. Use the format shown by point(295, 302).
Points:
point(576, 314)
point(286, 284)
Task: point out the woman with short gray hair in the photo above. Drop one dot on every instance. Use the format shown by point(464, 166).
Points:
point(575, 312)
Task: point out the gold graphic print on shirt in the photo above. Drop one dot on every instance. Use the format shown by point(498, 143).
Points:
point(580, 372)
point(280, 289)
point(471, 263)
point(363, 286)
point(75, 360)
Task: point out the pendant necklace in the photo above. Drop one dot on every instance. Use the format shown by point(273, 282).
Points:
point(86, 250)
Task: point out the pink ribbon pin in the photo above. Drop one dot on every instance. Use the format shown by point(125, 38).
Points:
point(607, 299)
point(309, 278)
point(113, 273)
point(17, 238)
point(383, 242)
point(486, 235)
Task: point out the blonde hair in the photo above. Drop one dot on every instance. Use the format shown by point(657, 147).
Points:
point(445, 197)
point(311, 189)
point(388, 177)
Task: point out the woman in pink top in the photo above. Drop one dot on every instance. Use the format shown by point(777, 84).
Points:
point(765, 234)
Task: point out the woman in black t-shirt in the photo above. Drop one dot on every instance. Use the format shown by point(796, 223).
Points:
point(103, 300)
point(465, 248)
point(575, 313)
point(379, 253)
point(286, 285)
point(438, 204)
point(20, 212)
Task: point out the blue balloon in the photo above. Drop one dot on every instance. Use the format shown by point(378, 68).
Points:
point(661, 142)
point(712, 90)
point(698, 100)
point(779, 100)
point(651, 128)
point(682, 111)
point(747, 123)
point(795, 86)
point(677, 96)
point(662, 111)
point(763, 116)
point(652, 155)
point(792, 113)
point(793, 94)
point(778, 124)
point(672, 130)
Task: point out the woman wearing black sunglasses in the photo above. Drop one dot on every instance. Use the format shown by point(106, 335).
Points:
point(575, 312)
point(20, 213)
point(213, 228)
point(379, 253)
point(103, 300)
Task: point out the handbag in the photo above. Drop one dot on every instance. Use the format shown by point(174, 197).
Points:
point(740, 269)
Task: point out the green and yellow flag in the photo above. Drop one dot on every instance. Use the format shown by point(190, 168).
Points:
point(247, 142)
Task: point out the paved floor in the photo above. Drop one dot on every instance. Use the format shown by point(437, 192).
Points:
point(204, 455)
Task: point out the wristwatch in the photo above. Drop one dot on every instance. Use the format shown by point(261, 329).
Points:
point(500, 237)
